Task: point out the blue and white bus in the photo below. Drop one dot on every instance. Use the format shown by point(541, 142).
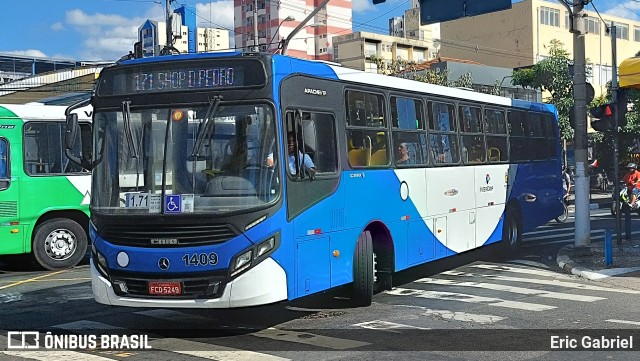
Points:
point(196, 203)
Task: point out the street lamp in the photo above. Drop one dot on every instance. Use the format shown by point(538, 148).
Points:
point(288, 18)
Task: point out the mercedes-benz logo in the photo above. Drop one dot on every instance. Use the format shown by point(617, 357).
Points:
point(163, 263)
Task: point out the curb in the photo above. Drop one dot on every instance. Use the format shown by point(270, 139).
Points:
point(567, 264)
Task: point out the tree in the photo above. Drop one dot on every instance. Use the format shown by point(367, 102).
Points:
point(551, 75)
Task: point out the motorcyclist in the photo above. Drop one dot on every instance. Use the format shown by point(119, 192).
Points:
point(632, 181)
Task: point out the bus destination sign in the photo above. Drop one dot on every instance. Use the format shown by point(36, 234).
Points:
point(180, 76)
point(183, 79)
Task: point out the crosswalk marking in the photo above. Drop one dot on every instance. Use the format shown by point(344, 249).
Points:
point(528, 271)
point(512, 289)
point(87, 325)
point(386, 326)
point(209, 351)
point(458, 315)
point(542, 282)
point(625, 322)
point(55, 355)
point(309, 339)
point(564, 234)
point(463, 297)
point(171, 315)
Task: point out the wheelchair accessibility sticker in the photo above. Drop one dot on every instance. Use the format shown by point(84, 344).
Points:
point(178, 203)
point(172, 203)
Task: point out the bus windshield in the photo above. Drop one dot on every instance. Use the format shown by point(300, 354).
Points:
point(208, 158)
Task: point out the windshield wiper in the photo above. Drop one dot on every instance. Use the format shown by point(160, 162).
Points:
point(128, 132)
point(206, 127)
point(129, 136)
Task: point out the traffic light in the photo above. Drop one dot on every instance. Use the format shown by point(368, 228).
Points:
point(621, 107)
point(603, 117)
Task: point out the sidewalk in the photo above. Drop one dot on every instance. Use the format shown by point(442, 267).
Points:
point(589, 262)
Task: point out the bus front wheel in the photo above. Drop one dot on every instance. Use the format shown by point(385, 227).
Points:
point(363, 271)
point(59, 243)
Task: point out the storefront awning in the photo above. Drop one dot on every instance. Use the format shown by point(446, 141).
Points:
point(629, 73)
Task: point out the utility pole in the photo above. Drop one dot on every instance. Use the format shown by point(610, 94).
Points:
point(255, 25)
point(583, 226)
point(616, 133)
point(169, 26)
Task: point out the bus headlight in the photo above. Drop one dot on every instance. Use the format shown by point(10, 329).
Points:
point(254, 255)
point(266, 246)
point(242, 262)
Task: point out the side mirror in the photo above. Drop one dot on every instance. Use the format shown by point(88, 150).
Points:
point(70, 136)
point(71, 131)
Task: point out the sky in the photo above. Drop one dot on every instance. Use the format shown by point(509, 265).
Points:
point(105, 30)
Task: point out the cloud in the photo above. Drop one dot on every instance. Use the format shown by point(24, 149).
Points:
point(627, 10)
point(30, 52)
point(359, 6)
point(215, 14)
point(106, 36)
point(79, 18)
point(57, 26)
point(110, 36)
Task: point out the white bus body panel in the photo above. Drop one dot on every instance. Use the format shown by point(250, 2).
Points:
point(263, 284)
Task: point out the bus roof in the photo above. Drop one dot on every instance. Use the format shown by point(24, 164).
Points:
point(38, 111)
point(325, 69)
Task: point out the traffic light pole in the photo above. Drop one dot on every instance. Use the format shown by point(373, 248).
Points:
point(583, 227)
point(616, 134)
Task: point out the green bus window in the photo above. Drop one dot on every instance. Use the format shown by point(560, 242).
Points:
point(4, 159)
point(4, 164)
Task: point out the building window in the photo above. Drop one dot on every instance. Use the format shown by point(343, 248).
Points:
point(370, 49)
point(622, 31)
point(550, 16)
point(567, 20)
point(636, 33)
point(592, 25)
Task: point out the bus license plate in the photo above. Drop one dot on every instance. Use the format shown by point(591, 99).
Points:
point(165, 288)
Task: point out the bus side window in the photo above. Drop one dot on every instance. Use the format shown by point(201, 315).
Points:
point(4, 164)
point(317, 140)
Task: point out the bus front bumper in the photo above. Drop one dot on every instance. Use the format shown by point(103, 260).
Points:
point(263, 284)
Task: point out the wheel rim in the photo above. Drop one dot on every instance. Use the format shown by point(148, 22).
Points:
point(60, 244)
point(513, 233)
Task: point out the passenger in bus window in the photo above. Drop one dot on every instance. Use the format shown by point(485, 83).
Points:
point(402, 155)
point(305, 162)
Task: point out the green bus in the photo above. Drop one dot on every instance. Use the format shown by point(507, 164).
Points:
point(44, 198)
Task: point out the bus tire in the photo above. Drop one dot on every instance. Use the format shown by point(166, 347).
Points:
point(511, 230)
point(59, 243)
point(363, 271)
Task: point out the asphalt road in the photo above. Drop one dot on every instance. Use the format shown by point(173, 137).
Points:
point(473, 306)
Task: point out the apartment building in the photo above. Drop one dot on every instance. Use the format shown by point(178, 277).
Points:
point(356, 50)
point(520, 36)
point(277, 20)
point(187, 37)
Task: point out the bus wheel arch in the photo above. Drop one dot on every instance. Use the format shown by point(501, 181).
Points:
point(60, 239)
point(512, 227)
point(373, 263)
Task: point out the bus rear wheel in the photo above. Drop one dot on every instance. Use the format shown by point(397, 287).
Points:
point(59, 243)
point(363, 271)
point(511, 231)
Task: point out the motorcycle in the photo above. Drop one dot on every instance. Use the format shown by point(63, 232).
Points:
point(624, 201)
